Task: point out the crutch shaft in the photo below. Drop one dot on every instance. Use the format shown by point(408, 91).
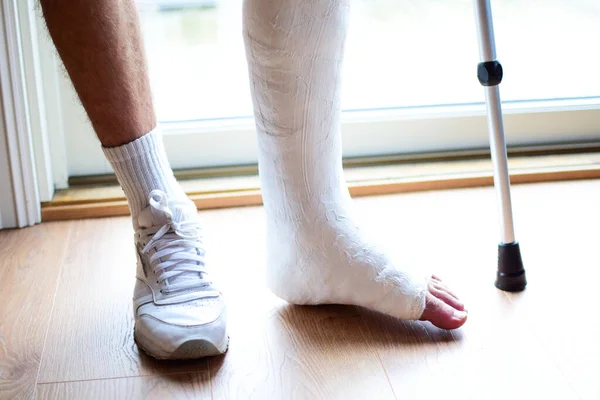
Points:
point(490, 73)
point(500, 163)
point(485, 30)
point(511, 274)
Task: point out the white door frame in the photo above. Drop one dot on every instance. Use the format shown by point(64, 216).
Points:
point(19, 195)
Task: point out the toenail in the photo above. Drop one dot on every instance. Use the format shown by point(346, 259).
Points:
point(460, 314)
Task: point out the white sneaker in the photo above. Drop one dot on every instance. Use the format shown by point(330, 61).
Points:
point(178, 312)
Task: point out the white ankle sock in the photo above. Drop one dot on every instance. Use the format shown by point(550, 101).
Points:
point(142, 166)
point(316, 253)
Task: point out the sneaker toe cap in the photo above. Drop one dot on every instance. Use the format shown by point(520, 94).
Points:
point(164, 329)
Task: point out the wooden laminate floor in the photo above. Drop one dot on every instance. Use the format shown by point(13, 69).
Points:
point(66, 319)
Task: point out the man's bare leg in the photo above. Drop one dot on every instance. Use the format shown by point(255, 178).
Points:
point(178, 312)
point(100, 45)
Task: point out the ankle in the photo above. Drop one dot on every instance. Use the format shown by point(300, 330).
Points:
point(142, 166)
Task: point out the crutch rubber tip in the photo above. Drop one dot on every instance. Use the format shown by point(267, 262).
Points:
point(511, 274)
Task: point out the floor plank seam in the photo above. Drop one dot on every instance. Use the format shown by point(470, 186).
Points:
point(191, 372)
point(210, 385)
point(58, 280)
point(386, 374)
point(362, 333)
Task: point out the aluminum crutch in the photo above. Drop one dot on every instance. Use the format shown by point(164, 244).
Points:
point(511, 274)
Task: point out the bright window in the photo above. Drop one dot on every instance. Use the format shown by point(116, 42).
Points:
point(400, 53)
point(409, 81)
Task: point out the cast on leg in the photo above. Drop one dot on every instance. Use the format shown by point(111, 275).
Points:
point(317, 254)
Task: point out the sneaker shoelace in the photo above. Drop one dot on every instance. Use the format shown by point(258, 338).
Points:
point(178, 260)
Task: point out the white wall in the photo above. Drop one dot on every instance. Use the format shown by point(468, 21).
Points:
point(19, 195)
point(8, 214)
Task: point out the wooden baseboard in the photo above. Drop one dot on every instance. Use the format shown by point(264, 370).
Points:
point(362, 181)
point(119, 207)
point(471, 180)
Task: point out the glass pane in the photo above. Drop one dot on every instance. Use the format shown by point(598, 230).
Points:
point(399, 53)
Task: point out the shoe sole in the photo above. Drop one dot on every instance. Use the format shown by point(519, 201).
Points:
point(192, 349)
